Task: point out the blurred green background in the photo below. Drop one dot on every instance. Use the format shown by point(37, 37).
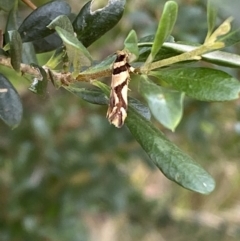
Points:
point(66, 174)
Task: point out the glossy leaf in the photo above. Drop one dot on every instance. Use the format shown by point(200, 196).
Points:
point(103, 68)
point(78, 55)
point(12, 23)
point(94, 96)
point(39, 86)
point(63, 22)
point(175, 164)
point(10, 103)
point(211, 17)
point(201, 83)
point(105, 88)
point(131, 44)
point(91, 25)
point(138, 106)
point(166, 105)
point(15, 49)
point(165, 27)
point(28, 54)
point(49, 43)
point(34, 26)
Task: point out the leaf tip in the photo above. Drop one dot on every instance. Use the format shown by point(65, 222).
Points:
point(207, 185)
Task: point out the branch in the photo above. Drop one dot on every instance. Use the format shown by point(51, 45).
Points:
point(92, 76)
point(25, 69)
point(30, 4)
point(191, 55)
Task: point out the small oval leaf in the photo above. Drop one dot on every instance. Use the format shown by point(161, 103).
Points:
point(15, 49)
point(91, 25)
point(49, 43)
point(94, 96)
point(63, 22)
point(10, 103)
point(34, 26)
point(175, 164)
point(165, 27)
point(78, 55)
point(165, 104)
point(28, 54)
point(211, 16)
point(131, 44)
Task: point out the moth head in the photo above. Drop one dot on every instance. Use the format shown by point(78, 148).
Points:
point(122, 55)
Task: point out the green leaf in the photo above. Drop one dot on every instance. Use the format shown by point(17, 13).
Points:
point(102, 69)
point(175, 164)
point(165, 27)
point(12, 20)
point(39, 86)
point(78, 55)
point(131, 43)
point(63, 22)
point(10, 104)
point(211, 17)
point(222, 58)
point(28, 54)
point(201, 83)
point(94, 96)
point(165, 104)
point(15, 49)
point(105, 88)
point(138, 106)
point(91, 25)
point(101, 66)
point(49, 43)
point(34, 26)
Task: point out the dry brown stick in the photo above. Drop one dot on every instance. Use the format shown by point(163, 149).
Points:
point(25, 69)
point(30, 4)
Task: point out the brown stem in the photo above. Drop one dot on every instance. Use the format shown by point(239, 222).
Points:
point(25, 69)
point(30, 4)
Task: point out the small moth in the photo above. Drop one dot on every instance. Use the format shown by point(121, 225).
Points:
point(117, 109)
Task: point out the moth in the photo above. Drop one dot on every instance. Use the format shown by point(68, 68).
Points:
point(118, 104)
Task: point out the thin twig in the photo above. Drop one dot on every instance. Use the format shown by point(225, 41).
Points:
point(28, 70)
point(191, 55)
point(30, 4)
